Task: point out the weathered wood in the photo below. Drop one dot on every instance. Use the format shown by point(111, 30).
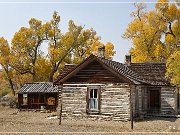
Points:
point(131, 107)
point(36, 100)
point(168, 102)
point(60, 103)
point(114, 102)
point(178, 100)
point(60, 115)
point(93, 73)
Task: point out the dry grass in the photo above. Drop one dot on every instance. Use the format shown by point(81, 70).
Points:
point(38, 122)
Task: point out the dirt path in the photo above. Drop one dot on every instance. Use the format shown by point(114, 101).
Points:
point(38, 122)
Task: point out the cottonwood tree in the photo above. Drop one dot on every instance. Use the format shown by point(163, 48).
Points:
point(154, 34)
point(91, 47)
point(173, 68)
point(70, 47)
point(109, 49)
point(63, 46)
point(74, 46)
point(5, 58)
point(43, 69)
point(25, 46)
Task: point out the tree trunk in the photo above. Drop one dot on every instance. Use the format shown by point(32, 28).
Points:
point(54, 69)
point(33, 73)
point(11, 84)
point(6, 69)
point(51, 76)
point(33, 77)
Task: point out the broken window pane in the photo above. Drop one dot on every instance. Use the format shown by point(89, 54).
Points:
point(91, 93)
point(95, 93)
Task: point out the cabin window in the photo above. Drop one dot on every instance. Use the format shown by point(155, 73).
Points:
point(93, 101)
point(24, 99)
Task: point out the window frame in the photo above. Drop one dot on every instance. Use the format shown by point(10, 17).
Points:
point(88, 109)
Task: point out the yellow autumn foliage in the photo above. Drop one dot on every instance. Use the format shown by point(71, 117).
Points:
point(155, 31)
point(173, 68)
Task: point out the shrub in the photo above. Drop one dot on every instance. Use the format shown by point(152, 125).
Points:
point(4, 92)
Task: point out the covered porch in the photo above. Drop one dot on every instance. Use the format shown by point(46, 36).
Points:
point(155, 100)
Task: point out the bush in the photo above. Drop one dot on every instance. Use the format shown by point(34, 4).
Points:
point(9, 101)
point(13, 103)
point(4, 92)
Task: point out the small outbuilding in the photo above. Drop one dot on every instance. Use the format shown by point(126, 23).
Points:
point(38, 95)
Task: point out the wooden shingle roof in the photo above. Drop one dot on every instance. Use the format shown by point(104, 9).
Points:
point(65, 70)
point(138, 73)
point(123, 70)
point(153, 73)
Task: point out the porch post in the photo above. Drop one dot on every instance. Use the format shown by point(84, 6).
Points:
point(38, 100)
point(131, 107)
point(60, 102)
point(44, 99)
point(178, 99)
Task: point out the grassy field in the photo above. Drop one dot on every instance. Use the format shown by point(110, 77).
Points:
point(24, 121)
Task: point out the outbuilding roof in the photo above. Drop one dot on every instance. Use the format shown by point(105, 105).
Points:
point(38, 87)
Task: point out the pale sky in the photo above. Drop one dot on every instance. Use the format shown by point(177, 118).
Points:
point(108, 17)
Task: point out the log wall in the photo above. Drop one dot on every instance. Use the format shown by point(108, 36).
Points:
point(114, 102)
point(168, 100)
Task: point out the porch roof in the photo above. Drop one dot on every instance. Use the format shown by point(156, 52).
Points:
point(38, 87)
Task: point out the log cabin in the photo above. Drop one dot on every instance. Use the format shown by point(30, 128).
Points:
point(38, 95)
point(104, 89)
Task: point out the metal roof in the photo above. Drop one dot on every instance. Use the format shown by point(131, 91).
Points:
point(38, 87)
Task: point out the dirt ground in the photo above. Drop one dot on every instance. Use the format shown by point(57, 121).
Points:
point(37, 123)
